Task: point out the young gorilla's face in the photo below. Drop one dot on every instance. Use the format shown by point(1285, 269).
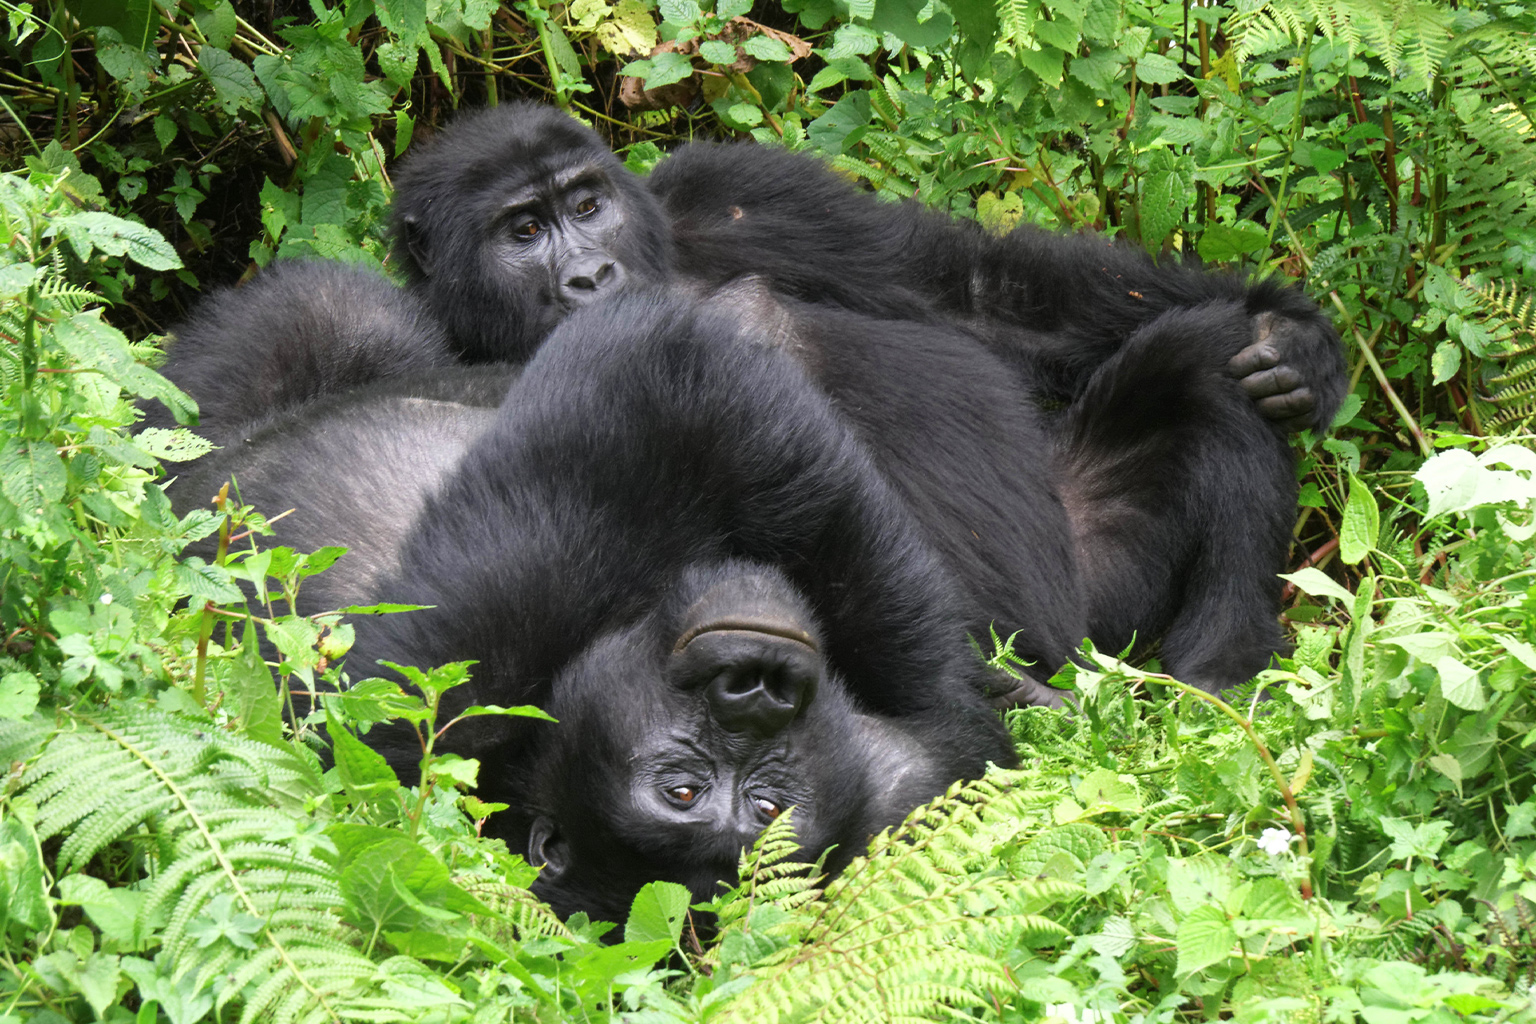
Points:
point(681, 737)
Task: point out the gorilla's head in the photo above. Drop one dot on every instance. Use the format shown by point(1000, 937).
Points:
point(683, 734)
point(514, 216)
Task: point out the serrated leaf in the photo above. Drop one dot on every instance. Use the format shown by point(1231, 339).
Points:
point(233, 82)
point(1205, 937)
point(203, 582)
point(31, 473)
point(116, 237)
point(767, 48)
point(1155, 69)
point(364, 772)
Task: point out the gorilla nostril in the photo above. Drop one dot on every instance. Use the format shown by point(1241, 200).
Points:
point(756, 698)
point(587, 278)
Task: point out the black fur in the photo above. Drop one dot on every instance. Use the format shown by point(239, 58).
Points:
point(734, 537)
point(461, 201)
point(1055, 306)
point(300, 330)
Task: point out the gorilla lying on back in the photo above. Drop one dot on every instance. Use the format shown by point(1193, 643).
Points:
point(739, 585)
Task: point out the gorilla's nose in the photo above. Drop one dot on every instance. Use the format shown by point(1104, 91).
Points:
point(590, 275)
point(753, 681)
point(763, 683)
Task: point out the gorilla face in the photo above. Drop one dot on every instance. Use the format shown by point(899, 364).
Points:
point(515, 216)
point(683, 736)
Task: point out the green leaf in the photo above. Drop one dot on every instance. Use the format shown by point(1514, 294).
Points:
point(1318, 584)
point(899, 18)
point(1361, 525)
point(116, 237)
point(1221, 243)
point(364, 772)
point(657, 913)
point(31, 473)
point(519, 711)
point(1446, 361)
point(717, 52)
point(460, 770)
point(1102, 790)
point(18, 694)
point(233, 82)
point(1410, 840)
point(24, 901)
point(1205, 937)
point(1460, 685)
point(662, 69)
point(1155, 69)
point(767, 48)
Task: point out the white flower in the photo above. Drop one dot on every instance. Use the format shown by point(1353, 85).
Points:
point(1275, 841)
point(106, 598)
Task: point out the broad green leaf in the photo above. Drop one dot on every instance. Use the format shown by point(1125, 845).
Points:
point(1460, 685)
point(363, 771)
point(18, 694)
point(657, 913)
point(23, 879)
point(1446, 361)
point(767, 48)
point(1155, 69)
point(31, 473)
point(1102, 790)
point(1205, 937)
point(116, 237)
point(1199, 881)
point(1318, 584)
point(1361, 525)
point(233, 83)
point(518, 711)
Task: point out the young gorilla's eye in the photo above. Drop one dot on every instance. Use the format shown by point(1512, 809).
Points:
point(586, 207)
point(683, 794)
point(526, 230)
point(767, 808)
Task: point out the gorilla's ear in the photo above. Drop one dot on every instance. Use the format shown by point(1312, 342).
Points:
point(546, 849)
point(416, 243)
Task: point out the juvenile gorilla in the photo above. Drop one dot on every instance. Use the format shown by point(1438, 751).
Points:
point(740, 585)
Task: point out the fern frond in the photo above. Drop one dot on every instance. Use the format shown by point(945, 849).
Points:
point(1508, 398)
point(912, 930)
point(212, 800)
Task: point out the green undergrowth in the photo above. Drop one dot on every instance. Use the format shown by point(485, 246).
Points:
point(1351, 838)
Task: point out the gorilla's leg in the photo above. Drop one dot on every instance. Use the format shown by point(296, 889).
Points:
point(298, 331)
point(1181, 496)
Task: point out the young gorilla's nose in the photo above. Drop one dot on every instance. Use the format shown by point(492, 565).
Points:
point(589, 276)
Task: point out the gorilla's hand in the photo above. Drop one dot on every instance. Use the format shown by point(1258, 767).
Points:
point(1292, 371)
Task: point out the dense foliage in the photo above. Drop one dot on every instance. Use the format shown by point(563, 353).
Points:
point(1355, 838)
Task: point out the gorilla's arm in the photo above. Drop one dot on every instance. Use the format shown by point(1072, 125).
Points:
point(297, 332)
point(1063, 305)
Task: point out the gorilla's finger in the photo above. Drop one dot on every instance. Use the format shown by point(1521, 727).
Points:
point(1261, 355)
point(1267, 383)
point(1294, 408)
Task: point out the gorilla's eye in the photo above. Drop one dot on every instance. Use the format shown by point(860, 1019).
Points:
point(586, 207)
point(767, 808)
point(526, 230)
point(683, 794)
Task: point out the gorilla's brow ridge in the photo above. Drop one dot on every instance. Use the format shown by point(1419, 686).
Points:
point(563, 180)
